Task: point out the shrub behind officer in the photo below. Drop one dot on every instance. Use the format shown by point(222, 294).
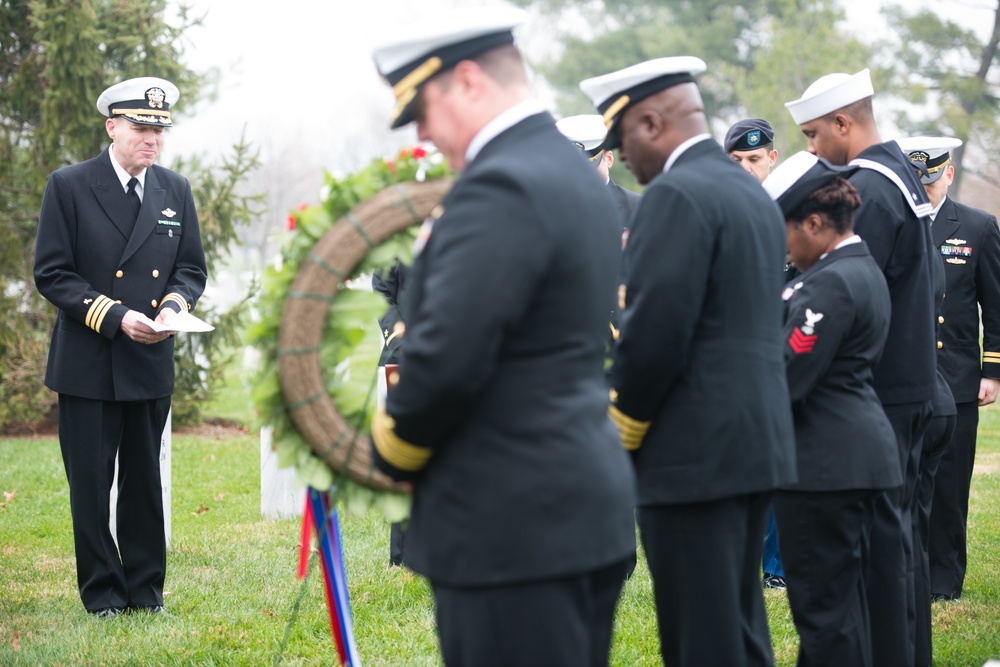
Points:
point(118, 241)
point(522, 501)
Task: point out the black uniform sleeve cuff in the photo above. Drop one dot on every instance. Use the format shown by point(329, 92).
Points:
point(991, 364)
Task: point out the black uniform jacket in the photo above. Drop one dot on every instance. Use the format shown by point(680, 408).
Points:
point(90, 267)
point(969, 242)
point(700, 352)
point(626, 202)
point(836, 323)
point(900, 242)
point(500, 414)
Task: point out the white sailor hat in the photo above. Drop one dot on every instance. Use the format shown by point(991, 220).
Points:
point(829, 93)
point(799, 176)
point(613, 93)
point(586, 132)
point(412, 56)
point(145, 100)
point(933, 152)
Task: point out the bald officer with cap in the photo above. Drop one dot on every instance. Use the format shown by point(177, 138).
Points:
point(750, 144)
point(835, 114)
point(522, 501)
point(118, 245)
point(699, 391)
point(969, 243)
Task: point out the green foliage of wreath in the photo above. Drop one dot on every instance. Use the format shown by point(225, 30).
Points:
point(352, 342)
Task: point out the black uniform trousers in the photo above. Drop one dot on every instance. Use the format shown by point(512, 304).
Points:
point(950, 507)
point(91, 432)
point(936, 442)
point(564, 622)
point(891, 569)
point(705, 559)
point(824, 550)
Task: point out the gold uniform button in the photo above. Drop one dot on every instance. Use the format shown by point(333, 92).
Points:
point(153, 303)
point(119, 301)
point(940, 345)
point(940, 319)
point(119, 273)
point(156, 273)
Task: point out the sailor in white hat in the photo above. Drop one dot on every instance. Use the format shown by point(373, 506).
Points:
point(835, 114)
point(703, 275)
point(118, 245)
point(522, 506)
point(969, 243)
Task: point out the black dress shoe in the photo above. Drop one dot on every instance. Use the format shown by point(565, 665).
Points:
point(943, 597)
point(775, 582)
point(109, 612)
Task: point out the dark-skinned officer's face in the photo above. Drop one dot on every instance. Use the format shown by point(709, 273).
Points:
point(637, 150)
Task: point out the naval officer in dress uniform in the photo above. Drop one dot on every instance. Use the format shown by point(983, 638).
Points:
point(522, 500)
point(698, 384)
point(118, 242)
point(836, 322)
point(969, 243)
point(835, 114)
point(587, 132)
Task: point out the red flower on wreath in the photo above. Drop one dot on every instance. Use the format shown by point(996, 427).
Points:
point(391, 166)
point(290, 222)
point(419, 152)
point(301, 207)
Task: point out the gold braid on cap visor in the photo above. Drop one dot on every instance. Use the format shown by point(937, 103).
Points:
point(934, 170)
point(406, 88)
point(614, 109)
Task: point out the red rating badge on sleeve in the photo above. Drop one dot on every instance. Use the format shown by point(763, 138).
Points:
point(803, 339)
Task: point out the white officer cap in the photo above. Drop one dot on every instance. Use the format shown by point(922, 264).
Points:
point(145, 100)
point(799, 176)
point(829, 93)
point(613, 93)
point(586, 132)
point(933, 152)
point(410, 57)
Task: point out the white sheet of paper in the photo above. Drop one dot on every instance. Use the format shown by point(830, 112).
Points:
point(182, 322)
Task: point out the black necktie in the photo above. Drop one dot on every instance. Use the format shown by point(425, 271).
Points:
point(133, 197)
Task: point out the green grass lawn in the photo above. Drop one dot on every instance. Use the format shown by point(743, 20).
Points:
point(231, 577)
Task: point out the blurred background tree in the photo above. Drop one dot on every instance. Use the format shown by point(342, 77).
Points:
point(932, 75)
point(945, 73)
point(56, 56)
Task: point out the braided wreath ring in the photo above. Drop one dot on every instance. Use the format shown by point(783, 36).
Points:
point(331, 262)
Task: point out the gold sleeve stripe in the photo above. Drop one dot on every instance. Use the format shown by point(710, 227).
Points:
point(95, 316)
point(100, 316)
point(396, 451)
point(632, 430)
point(176, 298)
point(992, 357)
